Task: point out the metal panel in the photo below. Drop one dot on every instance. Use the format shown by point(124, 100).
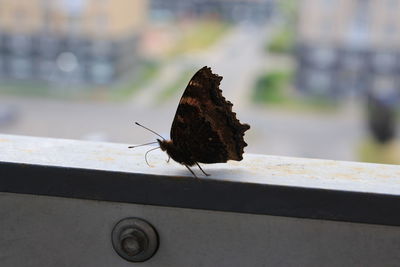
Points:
point(49, 231)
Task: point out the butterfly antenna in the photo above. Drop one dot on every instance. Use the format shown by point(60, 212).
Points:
point(149, 129)
point(145, 156)
point(143, 144)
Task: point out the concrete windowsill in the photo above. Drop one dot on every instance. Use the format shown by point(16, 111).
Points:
point(260, 184)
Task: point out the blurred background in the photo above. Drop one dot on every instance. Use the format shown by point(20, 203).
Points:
point(313, 78)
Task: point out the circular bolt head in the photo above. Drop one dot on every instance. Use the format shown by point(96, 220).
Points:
point(131, 246)
point(134, 239)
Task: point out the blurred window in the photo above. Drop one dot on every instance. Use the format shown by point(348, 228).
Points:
point(20, 44)
point(21, 67)
point(319, 81)
point(353, 62)
point(102, 72)
point(385, 86)
point(1, 66)
point(46, 69)
point(385, 61)
point(323, 57)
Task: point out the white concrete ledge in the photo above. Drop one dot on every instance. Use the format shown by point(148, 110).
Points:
point(259, 169)
point(265, 185)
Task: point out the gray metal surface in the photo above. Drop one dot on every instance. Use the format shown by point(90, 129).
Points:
point(48, 231)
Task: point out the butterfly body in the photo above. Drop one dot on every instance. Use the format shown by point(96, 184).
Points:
point(205, 129)
point(178, 154)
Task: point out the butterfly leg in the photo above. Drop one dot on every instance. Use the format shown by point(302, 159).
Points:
point(206, 174)
point(191, 171)
point(168, 159)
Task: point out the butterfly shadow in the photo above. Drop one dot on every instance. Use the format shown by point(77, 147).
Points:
point(220, 173)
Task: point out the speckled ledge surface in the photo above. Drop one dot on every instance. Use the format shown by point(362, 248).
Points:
point(260, 184)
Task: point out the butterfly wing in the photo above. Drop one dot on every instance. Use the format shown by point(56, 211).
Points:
point(205, 128)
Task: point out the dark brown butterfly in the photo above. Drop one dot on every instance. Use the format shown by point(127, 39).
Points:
point(205, 129)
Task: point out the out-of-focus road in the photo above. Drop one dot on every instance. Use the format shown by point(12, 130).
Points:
point(239, 56)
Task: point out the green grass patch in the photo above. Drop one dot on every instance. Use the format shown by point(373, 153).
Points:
point(313, 103)
point(199, 37)
point(282, 42)
point(42, 89)
point(273, 89)
point(25, 88)
point(270, 88)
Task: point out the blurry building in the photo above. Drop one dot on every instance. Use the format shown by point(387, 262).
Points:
point(253, 11)
point(348, 47)
point(89, 41)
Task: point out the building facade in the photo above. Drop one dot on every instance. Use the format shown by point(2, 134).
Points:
point(348, 47)
point(83, 41)
point(253, 11)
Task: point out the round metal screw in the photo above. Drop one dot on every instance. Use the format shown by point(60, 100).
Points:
point(134, 239)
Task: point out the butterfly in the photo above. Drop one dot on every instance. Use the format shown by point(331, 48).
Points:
point(204, 129)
